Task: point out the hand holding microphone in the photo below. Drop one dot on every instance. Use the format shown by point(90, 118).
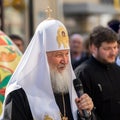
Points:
point(83, 102)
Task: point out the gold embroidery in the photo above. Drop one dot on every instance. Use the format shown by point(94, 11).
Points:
point(62, 37)
point(47, 117)
point(64, 118)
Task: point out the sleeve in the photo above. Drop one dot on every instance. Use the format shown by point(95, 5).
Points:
point(17, 106)
point(85, 78)
point(91, 117)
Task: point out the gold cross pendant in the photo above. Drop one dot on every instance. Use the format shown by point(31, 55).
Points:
point(64, 118)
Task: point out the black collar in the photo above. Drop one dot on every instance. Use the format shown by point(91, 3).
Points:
point(103, 65)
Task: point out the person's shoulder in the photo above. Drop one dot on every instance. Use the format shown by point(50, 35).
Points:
point(83, 66)
point(17, 91)
point(117, 67)
point(18, 94)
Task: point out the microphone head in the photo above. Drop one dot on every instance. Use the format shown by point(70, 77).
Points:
point(77, 84)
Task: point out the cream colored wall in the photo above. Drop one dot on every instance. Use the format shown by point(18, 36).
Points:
point(40, 7)
point(80, 1)
point(57, 7)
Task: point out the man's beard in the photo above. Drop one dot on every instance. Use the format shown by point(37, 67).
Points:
point(60, 81)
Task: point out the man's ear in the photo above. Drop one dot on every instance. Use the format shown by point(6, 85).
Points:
point(93, 49)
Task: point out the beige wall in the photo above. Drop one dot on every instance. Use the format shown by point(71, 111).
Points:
point(39, 10)
point(79, 1)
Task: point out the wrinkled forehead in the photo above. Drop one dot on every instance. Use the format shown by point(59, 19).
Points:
point(59, 51)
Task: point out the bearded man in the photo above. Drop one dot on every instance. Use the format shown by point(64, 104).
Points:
point(41, 87)
point(100, 74)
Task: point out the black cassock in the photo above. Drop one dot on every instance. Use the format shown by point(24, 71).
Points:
point(17, 106)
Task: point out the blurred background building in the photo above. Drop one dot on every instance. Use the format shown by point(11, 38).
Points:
point(22, 16)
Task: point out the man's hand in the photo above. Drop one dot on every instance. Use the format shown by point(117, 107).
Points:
point(84, 103)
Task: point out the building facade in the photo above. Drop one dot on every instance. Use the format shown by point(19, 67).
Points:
point(81, 16)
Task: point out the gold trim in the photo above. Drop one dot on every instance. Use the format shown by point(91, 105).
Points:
point(47, 117)
point(62, 37)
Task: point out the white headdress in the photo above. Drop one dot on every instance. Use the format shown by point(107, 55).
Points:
point(33, 75)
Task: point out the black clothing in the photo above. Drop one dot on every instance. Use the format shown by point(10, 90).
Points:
point(59, 101)
point(17, 106)
point(76, 63)
point(102, 83)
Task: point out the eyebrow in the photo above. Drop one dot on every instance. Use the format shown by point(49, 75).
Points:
point(58, 52)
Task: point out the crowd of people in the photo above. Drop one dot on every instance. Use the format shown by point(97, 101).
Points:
point(41, 88)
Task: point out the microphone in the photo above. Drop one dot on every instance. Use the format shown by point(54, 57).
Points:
point(79, 90)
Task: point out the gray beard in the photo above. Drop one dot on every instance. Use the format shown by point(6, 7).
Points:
point(60, 81)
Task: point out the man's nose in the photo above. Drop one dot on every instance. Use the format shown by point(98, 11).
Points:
point(114, 51)
point(64, 60)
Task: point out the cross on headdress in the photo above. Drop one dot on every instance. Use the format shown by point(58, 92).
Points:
point(48, 11)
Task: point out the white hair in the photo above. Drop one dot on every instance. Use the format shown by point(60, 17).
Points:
point(60, 81)
point(76, 36)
